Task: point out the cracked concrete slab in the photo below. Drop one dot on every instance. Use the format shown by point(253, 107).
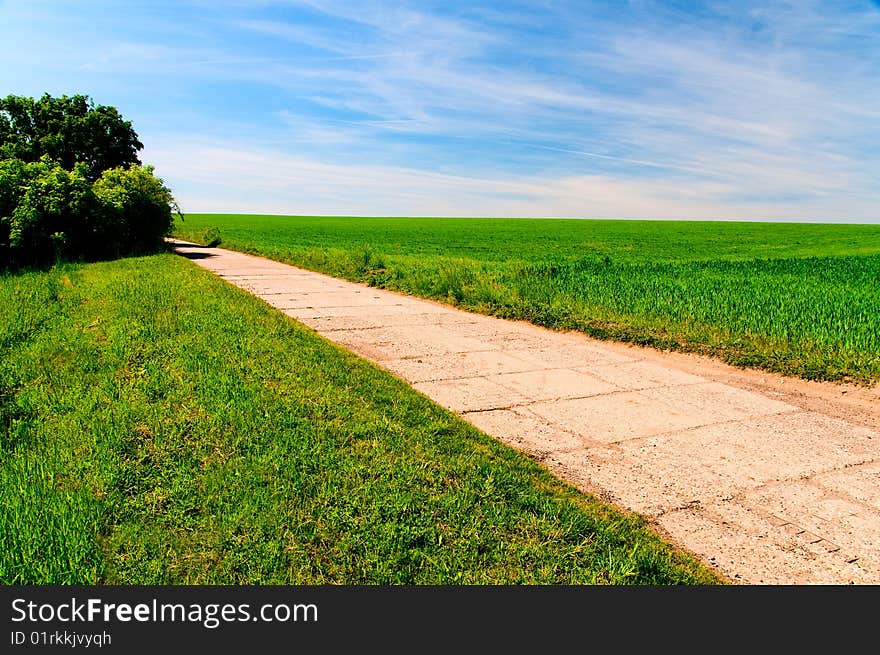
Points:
point(402, 341)
point(561, 352)
point(728, 533)
point(851, 525)
point(638, 375)
point(470, 394)
point(322, 310)
point(524, 431)
point(620, 416)
point(459, 365)
point(553, 384)
point(770, 480)
point(861, 483)
point(362, 320)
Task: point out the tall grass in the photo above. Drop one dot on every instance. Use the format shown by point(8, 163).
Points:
point(815, 317)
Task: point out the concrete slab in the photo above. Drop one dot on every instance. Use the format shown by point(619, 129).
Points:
point(861, 483)
point(619, 416)
point(512, 336)
point(778, 447)
point(641, 375)
point(524, 432)
point(469, 395)
point(567, 354)
point(337, 299)
point(708, 460)
point(726, 534)
point(403, 342)
point(713, 402)
point(640, 485)
point(320, 310)
point(552, 384)
point(456, 365)
point(361, 320)
point(853, 526)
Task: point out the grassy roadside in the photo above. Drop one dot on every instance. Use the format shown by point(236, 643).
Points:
point(160, 427)
point(798, 299)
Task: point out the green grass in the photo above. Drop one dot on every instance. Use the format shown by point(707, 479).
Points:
point(159, 426)
point(800, 299)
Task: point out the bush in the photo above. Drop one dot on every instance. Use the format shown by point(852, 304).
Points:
point(49, 213)
point(208, 237)
point(45, 209)
point(136, 210)
point(71, 185)
point(12, 176)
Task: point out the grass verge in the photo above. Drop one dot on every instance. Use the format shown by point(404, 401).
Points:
point(158, 426)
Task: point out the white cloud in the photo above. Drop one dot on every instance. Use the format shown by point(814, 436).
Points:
point(210, 176)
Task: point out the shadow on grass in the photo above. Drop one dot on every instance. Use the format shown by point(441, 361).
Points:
point(17, 267)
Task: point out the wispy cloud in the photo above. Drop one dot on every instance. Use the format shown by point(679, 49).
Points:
point(273, 182)
point(756, 109)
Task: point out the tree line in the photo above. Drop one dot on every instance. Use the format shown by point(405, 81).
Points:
point(72, 186)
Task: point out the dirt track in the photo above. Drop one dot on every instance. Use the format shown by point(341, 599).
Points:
point(771, 480)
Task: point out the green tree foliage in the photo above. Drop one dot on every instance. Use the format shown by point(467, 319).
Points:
point(136, 209)
point(68, 130)
point(45, 210)
point(71, 185)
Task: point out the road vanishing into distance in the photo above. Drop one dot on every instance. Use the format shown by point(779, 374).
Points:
point(770, 480)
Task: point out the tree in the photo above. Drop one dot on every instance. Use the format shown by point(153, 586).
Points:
point(72, 186)
point(68, 130)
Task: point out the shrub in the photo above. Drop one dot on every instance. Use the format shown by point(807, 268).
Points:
point(49, 213)
point(137, 210)
point(208, 237)
point(45, 211)
point(71, 185)
point(12, 180)
point(211, 237)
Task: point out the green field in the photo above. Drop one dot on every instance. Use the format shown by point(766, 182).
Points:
point(158, 426)
point(800, 299)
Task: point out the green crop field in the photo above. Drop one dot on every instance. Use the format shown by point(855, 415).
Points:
point(800, 299)
point(159, 426)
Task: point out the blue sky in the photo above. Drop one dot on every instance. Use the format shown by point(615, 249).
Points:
point(718, 110)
